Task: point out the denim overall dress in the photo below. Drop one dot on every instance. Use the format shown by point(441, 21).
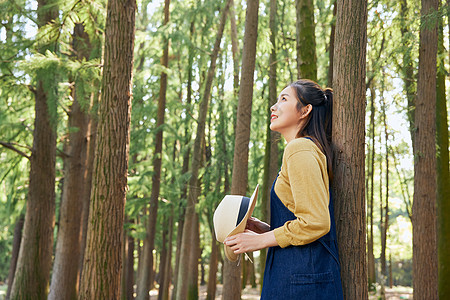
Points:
point(309, 271)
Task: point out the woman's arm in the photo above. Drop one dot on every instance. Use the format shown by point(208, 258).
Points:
point(253, 224)
point(248, 241)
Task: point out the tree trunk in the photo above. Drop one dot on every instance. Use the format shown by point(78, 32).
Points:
point(371, 257)
point(234, 49)
point(65, 275)
point(213, 268)
point(185, 252)
point(443, 176)
point(102, 265)
point(185, 167)
point(306, 40)
point(272, 137)
point(232, 272)
point(145, 278)
point(386, 207)
point(407, 69)
point(348, 144)
point(91, 137)
point(165, 286)
point(35, 256)
point(425, 264)
point(15, 253)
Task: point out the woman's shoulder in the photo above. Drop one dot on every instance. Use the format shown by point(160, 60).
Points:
point(299, 144)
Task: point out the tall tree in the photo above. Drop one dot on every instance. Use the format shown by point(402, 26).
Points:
point(35, 256)
point(15, 253)
point(331, 47)
point(370, 193)
point(189, 220)
point(272, 137)
point(232, 272)
point(349, 72)
point(425, 263)
point(443, 176)
point(65, 277)
point(306, 40)
point(103, 259)
point(145, 280)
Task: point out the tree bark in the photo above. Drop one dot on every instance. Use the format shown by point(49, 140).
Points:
point(103, 259)
point(370, 255)
point(194, 192)
point(443, 176)
point(65, 275)
point(35, 256)
point(239, 181)
point(15, 253)
point(407, 69)
point(348, 144)
point(425, 263)
point(306, 40)
point(145, 278)
point(272, 137)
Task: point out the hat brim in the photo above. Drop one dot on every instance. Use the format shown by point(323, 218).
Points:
point(241, 226)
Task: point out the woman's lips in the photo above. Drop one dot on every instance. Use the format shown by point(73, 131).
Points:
point(273, 117)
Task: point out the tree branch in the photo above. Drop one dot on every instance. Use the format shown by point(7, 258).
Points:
point(11, 146)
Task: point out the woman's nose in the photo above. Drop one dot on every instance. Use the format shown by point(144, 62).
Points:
point(273, 107)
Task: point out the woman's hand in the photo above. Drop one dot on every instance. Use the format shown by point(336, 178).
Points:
point(248, 241)
point(255, 225)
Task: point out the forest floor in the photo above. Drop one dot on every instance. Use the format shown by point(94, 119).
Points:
point(395, 293)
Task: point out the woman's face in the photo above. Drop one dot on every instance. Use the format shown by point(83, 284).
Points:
point(285, 118)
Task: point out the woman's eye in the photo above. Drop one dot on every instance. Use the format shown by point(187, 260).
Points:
point(283, 99)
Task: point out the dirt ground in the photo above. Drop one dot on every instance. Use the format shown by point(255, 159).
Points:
point(396, 293)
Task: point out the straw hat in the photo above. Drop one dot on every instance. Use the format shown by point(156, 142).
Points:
point(231, 218)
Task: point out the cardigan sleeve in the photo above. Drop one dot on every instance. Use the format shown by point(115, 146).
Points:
point(310, 196)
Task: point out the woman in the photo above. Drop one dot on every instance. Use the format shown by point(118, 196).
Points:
point(302, 261)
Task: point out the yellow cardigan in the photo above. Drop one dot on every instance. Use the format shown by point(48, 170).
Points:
point(302, 186)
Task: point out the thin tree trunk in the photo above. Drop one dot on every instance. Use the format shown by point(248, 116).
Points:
point(15, 253)
point(185, 167)
point(165, 286)
point(234, 49)
point(425, 263)
point(371, 257)
point(386, 207)
point(185, 252)
point(407, 69)
point(271, 147)
point(65, 275)
point(145, 278)
point(213, 268)
point(443, 176)
point(232, 272)
point(348, 144)
point(35, 256)
point(306, 40)
point(103, 259)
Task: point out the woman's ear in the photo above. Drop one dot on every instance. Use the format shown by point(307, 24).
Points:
point(306, 110)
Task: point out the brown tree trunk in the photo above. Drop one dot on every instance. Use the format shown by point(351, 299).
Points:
point(443, 172)
point(370, 255)
point(103, 258)
point(272, 137)
point(306, 40)
point(65, 275)
point(91, 135)
point(386, 206)
point(165, 285)
point(234, 49)
point(145, 278)
point(407, 69)
point(35, 256)
point(232, 272)
point(213, 268)
point(185, 167)
point(15, 253)
point(425, 263)
point(185, 252)
point(348, 144)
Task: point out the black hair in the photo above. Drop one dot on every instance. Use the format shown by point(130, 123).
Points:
point(319, 121)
